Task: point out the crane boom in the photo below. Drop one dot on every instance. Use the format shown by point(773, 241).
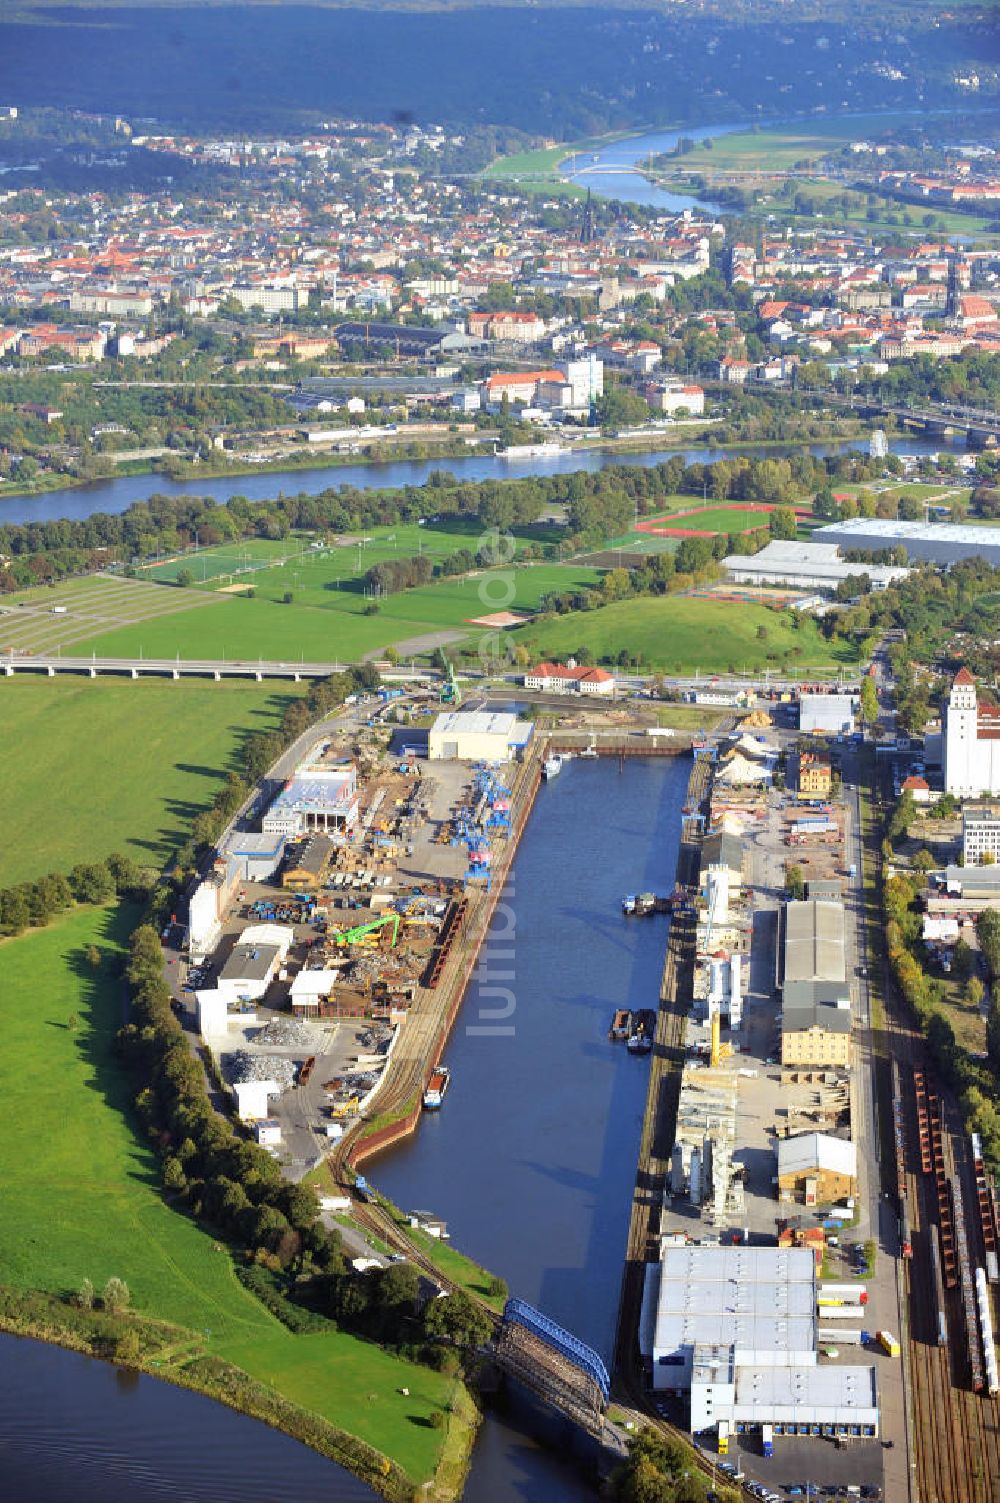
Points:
point(348, 936)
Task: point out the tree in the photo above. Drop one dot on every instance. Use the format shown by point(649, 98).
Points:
point(93, 957)
point(184, 579)
point(963, 960)
point(993, 1029)
point(795, 884)
point(287, 598)
point(115, 1295)
point(128, 1348)
point(85, 1295)
point(457, 1318)
point(91, 882)
point(782, 523)
point(869, 700)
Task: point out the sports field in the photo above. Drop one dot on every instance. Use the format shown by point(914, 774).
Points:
point(98, 765)
point(56, 618)
point(680, 634)
point(326, 621)
point(82, 1199)
point(706, 521)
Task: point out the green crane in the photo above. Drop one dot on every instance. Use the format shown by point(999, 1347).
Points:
point(451, 694)
point(348, 936)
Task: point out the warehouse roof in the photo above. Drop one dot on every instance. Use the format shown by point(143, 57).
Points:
point(893, 531)
point(821, 562)
point(476, 723)
point(722, 849)
point(757, 1298)
point(801, 1016)
point(250, 963)
point(972, 879)
point(821, 1394)
point(813, 1151)
point(814, 941)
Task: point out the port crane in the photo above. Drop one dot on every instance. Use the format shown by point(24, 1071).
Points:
point(451, 694)
point(350, 936)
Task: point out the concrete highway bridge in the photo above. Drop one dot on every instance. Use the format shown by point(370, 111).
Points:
point(175, 668)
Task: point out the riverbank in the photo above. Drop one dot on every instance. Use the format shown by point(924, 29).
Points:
point(174, 1355)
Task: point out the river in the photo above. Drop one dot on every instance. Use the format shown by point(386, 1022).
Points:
point(531, 1160)
point(607, 171)
point(74, 1430)
point(115, 496)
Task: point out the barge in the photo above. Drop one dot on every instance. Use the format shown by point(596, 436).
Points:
point(436, 1087)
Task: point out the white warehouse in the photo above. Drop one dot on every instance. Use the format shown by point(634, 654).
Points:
point(477, 736)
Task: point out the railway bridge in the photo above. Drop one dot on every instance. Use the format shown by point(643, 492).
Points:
point(52, 665)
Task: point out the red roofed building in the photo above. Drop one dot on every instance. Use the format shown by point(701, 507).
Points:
point(558, 678)
point(519, 386)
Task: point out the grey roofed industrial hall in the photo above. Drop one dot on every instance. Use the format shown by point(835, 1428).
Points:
point(808, 566)
point(936, 542)
point(814, 941)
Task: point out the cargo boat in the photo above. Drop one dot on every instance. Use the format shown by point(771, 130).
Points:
point(551, 767)
point(436, 1087)
point(621, 1025)
point(640, 1040)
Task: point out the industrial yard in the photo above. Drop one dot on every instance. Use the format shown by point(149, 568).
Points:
point(329, 915)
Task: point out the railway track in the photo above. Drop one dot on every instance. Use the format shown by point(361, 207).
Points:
point(956, 1431)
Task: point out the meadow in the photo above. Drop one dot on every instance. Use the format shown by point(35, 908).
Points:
point(679, 633)
point(329, 616)
point(116, 764)
point(82, 1199)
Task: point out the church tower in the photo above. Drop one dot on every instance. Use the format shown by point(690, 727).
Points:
point(961, 747)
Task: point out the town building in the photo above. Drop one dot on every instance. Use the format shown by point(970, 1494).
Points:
point(477, 736)
point(817, 1169)
point(671, 397)
point(815, 1025)
point(980, 835)
point(971, 741)
point(815, 775)
point(558, 678)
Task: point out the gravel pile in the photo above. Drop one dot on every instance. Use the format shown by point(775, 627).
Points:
point(244, 1067)
point(286, 1033)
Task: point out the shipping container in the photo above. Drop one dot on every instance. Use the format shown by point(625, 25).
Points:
point(888, 1343)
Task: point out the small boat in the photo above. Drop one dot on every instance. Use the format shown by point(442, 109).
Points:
point(589, 751)
point(436, 1087)
point(640, 1040)
point(628, 903)
point(621, 1025)
point(552, 767)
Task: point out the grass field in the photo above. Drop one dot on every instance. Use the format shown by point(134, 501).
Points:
point(712, 519)
point(326, 622)
point(681, 633)
point(56, 618)
point(81, 1199)
point(106, 764)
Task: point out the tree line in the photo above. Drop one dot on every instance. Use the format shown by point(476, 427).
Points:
point(599, 505)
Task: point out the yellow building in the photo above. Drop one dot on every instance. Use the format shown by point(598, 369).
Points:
point(815, 776)
point(817, 1169)
point(816, 1025)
